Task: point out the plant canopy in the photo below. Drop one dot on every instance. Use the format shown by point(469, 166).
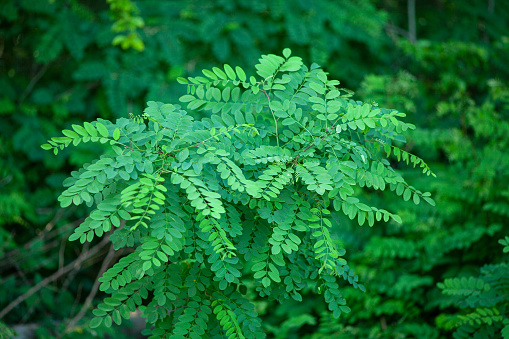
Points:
point(251, 190)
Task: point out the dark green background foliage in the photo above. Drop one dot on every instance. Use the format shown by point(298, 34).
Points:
point(58, 67)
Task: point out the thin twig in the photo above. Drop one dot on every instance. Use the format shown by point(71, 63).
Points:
point(46, 231)
point(93, 292)
point(294, 161)
point(61, 253)
point(71, 275)
point(393, 31)
point(32, 83)
point(412, 31)
point(273, 116)
point(76, 263)
point(20, 272)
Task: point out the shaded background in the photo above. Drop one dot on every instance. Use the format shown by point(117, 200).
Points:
point(444, 62)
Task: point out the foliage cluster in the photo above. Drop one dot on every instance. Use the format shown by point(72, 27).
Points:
point(442, 265)
point(254, 188)
point(453, 84)
point(59, 68)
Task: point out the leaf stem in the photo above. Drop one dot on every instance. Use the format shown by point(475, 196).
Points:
point(272, 112)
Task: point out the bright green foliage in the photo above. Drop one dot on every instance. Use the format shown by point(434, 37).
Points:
point(483, 301)
point(59, 67)
point(505, 243)
point(461, 119)
point(5, 332)
point(255, 188)
point(122, 11)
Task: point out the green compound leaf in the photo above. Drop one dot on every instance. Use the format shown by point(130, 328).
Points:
point(248, 196)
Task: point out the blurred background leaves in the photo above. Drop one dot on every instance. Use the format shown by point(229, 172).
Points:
point(62, 62)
